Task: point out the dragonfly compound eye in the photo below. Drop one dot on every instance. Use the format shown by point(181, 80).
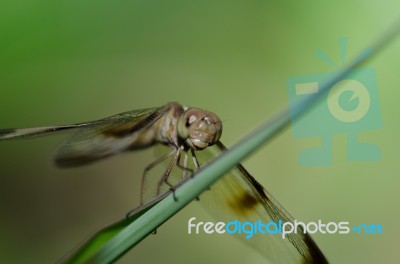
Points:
point(199, 128)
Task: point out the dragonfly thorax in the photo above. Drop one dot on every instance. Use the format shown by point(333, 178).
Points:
point(199, 129)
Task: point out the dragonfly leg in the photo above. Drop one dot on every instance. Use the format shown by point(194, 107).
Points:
point(195, 161)
point(164, 179)
point(197, 165)
point(184, 168)
point(148, 168)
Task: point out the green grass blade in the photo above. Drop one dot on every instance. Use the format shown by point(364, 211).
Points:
point(134, 230)
point(98, 240)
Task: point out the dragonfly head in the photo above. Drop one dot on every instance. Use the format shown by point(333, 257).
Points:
point(200, 129)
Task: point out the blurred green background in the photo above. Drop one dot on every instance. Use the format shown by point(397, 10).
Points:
point(70, 61)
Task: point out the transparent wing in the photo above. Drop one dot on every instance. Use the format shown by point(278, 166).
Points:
point(239, 196)
point(105, 137)
point(115, 122)
point(22, 133)
point(92, 140)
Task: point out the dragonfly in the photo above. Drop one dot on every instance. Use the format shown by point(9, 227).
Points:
point(192, 137)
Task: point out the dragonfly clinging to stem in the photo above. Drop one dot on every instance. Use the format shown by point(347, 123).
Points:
point(188, 132)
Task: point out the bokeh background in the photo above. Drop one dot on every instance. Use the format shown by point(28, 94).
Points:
point(70, 61)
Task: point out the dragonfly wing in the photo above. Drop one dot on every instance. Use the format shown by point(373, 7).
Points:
point(105, 137)
point(20, 133)
point(113, 122)
point(238, 196)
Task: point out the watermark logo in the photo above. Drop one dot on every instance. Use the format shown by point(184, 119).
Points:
point(351, 106)
point(281, 228)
